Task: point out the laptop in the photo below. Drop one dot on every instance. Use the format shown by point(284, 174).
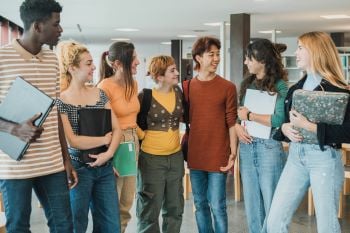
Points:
point(22, 102)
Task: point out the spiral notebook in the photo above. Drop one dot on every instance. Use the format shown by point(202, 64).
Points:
point(22, 102)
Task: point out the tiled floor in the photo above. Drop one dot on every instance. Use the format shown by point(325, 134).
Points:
point(302, 223)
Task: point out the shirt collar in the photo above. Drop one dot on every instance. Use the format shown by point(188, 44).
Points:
point(24, 53)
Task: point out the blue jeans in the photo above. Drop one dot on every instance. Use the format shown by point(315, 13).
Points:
point(308, 165)
point(53, 194)
point(209, 193)
point(261, 165)
point(97, 189)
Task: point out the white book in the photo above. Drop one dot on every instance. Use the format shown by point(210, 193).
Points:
point(260, 102)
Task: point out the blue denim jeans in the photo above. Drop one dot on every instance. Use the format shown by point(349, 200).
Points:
point(96, 189)
point(53, 194)
point(261, 165)
point(308, 165)
point(209, 193)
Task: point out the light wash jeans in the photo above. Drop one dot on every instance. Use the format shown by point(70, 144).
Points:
point(209, 194)
point(261, 165)
point(308, 165)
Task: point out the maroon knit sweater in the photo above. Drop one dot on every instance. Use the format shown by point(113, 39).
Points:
point(213, 110)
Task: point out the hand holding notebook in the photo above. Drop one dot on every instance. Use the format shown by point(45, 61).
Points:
point(21, 106)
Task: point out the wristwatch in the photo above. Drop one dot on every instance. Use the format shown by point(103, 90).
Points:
point(248, 115)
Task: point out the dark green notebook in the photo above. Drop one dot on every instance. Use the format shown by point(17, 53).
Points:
point(124, 159)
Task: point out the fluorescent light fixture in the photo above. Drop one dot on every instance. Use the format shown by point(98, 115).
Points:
point(187, 36)
point(127, 29)
point(216, 24)
point(335, 16)
point(166, 43)
point(269, 32)
point(120, 39)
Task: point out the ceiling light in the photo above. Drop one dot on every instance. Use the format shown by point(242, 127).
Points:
point(166, 43)
point(216, 24)
point(270, 32)
point(120, 39)
point(187, 36)
point(335, 16)
point(127, 29)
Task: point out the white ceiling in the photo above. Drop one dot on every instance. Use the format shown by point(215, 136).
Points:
point(163, 20)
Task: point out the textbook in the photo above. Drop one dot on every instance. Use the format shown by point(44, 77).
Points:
point(22, 102)
point(124, 160)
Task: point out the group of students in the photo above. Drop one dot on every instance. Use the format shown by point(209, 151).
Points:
point(273, 184)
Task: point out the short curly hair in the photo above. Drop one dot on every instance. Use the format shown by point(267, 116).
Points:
point(37, 11)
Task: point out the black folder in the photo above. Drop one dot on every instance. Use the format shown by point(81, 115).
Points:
point(22, 102)
point(94, 122)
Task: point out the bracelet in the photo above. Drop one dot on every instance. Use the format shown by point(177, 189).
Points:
point(248, 115)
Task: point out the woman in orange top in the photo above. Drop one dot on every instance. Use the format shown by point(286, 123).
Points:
point(118, 66)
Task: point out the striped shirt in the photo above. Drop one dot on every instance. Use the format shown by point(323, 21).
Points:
point(44, 156)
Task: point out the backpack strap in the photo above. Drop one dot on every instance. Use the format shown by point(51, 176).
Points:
point(145, 99)
point(186, 101)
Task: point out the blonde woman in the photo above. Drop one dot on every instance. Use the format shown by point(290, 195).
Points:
point(118, 66)
point(316, 165)
point(96, 187)
point(161, 163)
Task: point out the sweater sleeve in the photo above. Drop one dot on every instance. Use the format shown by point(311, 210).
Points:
point(231, 106)
point(277, 119)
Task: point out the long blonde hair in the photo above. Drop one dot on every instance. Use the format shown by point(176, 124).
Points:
point(324, 57)
point(69, 54)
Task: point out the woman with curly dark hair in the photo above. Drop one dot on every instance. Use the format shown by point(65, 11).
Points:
point(261, 160)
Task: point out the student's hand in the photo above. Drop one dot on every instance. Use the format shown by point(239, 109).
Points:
point(101, 159)
point(230, 162)
point(242, 134)
point(108, 138)
point(292, 134)
point(26, 131)
point(243, 113)
point(116, 173)
point(298, 120)
point(72, 175)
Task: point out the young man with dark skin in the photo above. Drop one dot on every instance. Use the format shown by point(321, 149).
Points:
point(46, 166)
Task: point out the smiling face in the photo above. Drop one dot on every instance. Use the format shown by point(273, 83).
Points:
point(135, 62)
point(303, 57)
point(85, 71)
point(171, 76)
point(210, 60)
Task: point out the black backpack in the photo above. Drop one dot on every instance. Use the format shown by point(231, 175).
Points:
point(145, 99)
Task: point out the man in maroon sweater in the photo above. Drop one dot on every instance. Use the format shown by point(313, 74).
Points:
point(212, 139)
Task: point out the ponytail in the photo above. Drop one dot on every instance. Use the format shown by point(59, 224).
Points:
point(106, 69)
